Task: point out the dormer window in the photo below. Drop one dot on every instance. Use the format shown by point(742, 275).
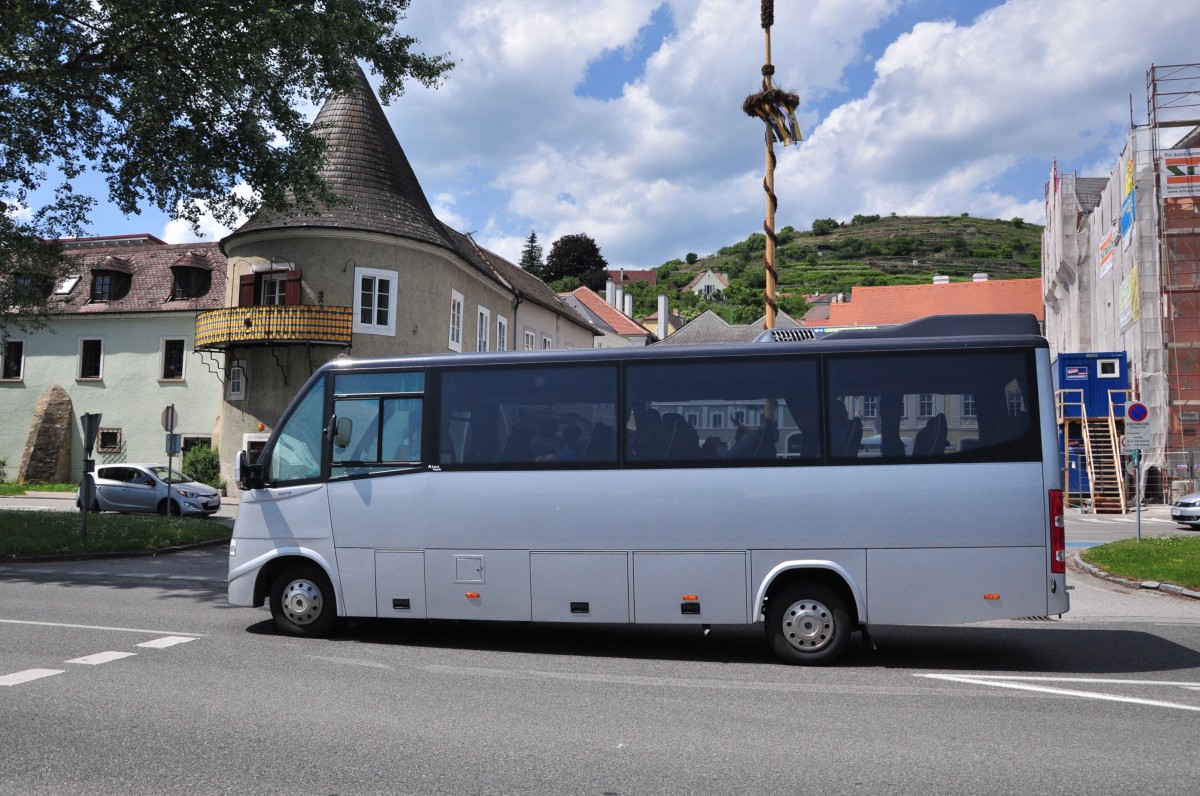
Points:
point(189, 283)
point(111, 279)
point(191, 277)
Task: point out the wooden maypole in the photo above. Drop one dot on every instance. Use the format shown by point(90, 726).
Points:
point(778, 110)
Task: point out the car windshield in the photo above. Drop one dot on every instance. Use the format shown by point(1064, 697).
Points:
point(176, 476)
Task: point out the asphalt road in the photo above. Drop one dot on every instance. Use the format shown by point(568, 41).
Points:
point(161, 687)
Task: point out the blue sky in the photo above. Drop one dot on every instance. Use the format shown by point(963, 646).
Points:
point(622, 119)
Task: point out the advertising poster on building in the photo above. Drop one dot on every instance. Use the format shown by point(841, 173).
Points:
point(1108, 247)
point(1180, 176)
point(1127, 300)
point(1128, 208)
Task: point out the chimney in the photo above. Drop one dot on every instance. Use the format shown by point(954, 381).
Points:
point(619, 300)
point(941, 279)
point(629, 304)
point(978, 277)
point(609, 295)
point(662, 316)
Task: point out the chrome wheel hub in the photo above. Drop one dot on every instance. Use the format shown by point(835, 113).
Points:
point(808, 625)
point(302, 602)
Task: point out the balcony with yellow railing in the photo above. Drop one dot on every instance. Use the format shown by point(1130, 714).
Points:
point(282, 324)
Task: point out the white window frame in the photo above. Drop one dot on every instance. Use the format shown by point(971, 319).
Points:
point(235, 385)
point(483, 329)
point(530, 339)
point(456, 320)
point(79, 359)
point(277, 279)
point(375, 274)
point(546, 344)
point(20, 364)
point(162, 359)
point(1108, 368)
point(501, 333)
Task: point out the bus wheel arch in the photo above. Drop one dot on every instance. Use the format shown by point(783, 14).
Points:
point(810, 613)
point(300, 594)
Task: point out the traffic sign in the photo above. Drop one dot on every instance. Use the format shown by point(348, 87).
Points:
point(169, 418)
point(1137, 412)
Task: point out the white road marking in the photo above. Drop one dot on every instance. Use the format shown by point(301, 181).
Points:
point(28, 675)
point(1014, 682)
point(166, 641)
point(101, 657)
point(101, 627)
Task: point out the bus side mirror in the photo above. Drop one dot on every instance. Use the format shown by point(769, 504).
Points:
point(246, 475)
point(345, 428)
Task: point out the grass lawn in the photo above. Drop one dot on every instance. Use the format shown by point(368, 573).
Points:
point(37, 533)
point(20, 489)
point(1167, 559)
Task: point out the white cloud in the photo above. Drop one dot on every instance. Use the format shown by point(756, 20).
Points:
point(179, 231)
point(669, 166)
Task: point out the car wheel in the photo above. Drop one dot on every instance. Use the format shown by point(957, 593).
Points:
point(168, 507)
point(96, 506)
point(302, 601)
point(808, 623)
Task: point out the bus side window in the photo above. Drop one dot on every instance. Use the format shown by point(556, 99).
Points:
point(296, 455)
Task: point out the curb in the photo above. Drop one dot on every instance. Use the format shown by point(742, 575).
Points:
point(50, 559)
point(1082, 566)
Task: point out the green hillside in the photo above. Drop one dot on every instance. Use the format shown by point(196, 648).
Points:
point(833, 257)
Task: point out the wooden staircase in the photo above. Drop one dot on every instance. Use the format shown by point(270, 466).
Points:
point(1104, 466)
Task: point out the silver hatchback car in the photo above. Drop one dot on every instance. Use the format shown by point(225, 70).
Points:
point(1186, 510)
point(144, 488)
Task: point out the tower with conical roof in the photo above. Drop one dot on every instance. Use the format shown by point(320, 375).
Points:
point(373, 274)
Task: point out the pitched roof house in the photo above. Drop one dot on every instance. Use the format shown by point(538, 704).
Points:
point(708, 327)
point(121, 343)
point(617, 328)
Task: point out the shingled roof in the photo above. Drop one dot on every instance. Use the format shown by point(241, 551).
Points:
point(366, 167)
point(150, 278)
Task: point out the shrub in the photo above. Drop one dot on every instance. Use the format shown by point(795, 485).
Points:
point(204, 464)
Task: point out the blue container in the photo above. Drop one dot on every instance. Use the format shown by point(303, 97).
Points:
point(1095, 375)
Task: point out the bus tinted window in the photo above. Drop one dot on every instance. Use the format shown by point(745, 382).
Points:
point(731, 411)
point(545, 416)
point(971, 405)
point(296, 455)
point(376, 383)
point(381, 433)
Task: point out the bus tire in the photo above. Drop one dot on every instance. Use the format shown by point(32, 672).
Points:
point(302, 601)
point(808, 623)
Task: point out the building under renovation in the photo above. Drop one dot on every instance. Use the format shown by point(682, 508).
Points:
point(1121, 273)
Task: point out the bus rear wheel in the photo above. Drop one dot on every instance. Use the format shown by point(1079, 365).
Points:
point(302, 602)
point(808, 623)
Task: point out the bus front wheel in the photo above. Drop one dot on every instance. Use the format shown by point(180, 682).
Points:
point(808, 623)
point(302, 602)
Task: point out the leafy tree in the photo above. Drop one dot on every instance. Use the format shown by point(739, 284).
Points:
point(1018, 222)
point(691, 258)
point(579, 256)
point(531, 257)
point(824, 226)
point(174, 102)
point(859, 219)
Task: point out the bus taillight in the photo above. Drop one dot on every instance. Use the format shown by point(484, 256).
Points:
point(1058, 534)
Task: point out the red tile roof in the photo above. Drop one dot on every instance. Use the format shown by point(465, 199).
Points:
point(902, 303)
point(621, 323)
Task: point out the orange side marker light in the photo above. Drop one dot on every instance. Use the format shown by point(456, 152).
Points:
point(472, 595)
point(991, 596)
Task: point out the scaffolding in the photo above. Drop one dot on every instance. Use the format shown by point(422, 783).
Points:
point(1173, 105)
